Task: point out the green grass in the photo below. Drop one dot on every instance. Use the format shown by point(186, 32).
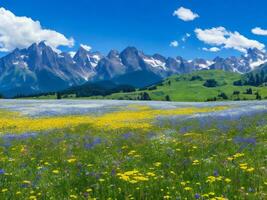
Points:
point(182, 89)
point(83, 163)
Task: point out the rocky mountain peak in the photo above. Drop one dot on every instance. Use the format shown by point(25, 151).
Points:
point(113, 54)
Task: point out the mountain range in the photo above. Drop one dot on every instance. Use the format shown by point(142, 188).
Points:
point(40, 69)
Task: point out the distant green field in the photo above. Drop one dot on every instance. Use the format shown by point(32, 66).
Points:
point(183, 88)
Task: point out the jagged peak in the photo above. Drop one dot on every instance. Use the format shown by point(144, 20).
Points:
point(113, 53)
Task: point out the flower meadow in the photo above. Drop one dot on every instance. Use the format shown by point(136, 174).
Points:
point(125, 150)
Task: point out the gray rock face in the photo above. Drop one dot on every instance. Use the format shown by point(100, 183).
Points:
point(244, 64)
point(39, 69)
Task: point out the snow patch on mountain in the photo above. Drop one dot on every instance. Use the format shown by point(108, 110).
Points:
point(155, 63)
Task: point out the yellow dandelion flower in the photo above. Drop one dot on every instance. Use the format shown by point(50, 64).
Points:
point(4, 190)
point(89, 190)
point(26, 182)
point(227, 180)
point(157, 164)
point(71, 160)
point(150, 174)
point(166, 197)
point(55, 171)
point(72, 196)
point(183, 183)
point(187, 188)
point(251, 169)
point(211, 193)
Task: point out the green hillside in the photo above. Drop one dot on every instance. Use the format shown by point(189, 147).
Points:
point(209, 85)
point(190, 87)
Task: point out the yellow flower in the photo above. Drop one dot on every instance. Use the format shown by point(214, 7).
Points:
point(55, 171)
point(72, 196)
point(157, 164)
point(150, 174)
point(251, 169)
point(238, 155)
point(187, 188)
point(71, 160)
point(133, 181)
point(26, 182)
point(4, 190)
point(89, 190)
point(172, 172)
point(230, 158)
point(196, 162)
point(211, 179)
point(227, 180)
point(211, 194)
point(166, 197)
point(183, 183)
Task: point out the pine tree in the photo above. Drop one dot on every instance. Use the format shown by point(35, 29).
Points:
point(167, 98)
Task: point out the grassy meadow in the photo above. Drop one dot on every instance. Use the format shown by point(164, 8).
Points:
point(135, 152)
point(183, 88)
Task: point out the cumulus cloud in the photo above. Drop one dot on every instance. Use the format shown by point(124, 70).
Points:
point(174, 43)
point(259, 31)
point(21, 32)
point(185, 14)
point(86, 47)
point(221, 37)
point(212, 49)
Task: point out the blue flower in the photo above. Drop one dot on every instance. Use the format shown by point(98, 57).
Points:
point(197, 196)
point(2, 171)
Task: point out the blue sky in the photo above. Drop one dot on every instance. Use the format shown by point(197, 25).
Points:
point(148, 25)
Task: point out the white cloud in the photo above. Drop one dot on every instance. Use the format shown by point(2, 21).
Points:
point(185, 14)
point(187, 35)
point(174, 43)
point(86, 47)
point(21, 32)
point(213, 36)
point(212, 49)
point(221, 37)
point(259, 31)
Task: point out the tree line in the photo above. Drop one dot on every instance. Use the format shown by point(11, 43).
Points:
point(253, 79)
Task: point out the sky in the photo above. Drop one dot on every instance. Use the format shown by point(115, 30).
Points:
point(188, 28)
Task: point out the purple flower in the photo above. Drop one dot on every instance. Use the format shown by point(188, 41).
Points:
point(197, 196)
point(127, 135)
point(2, 171)
point(251, 141)
point(91, 145)
point(216, 173)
